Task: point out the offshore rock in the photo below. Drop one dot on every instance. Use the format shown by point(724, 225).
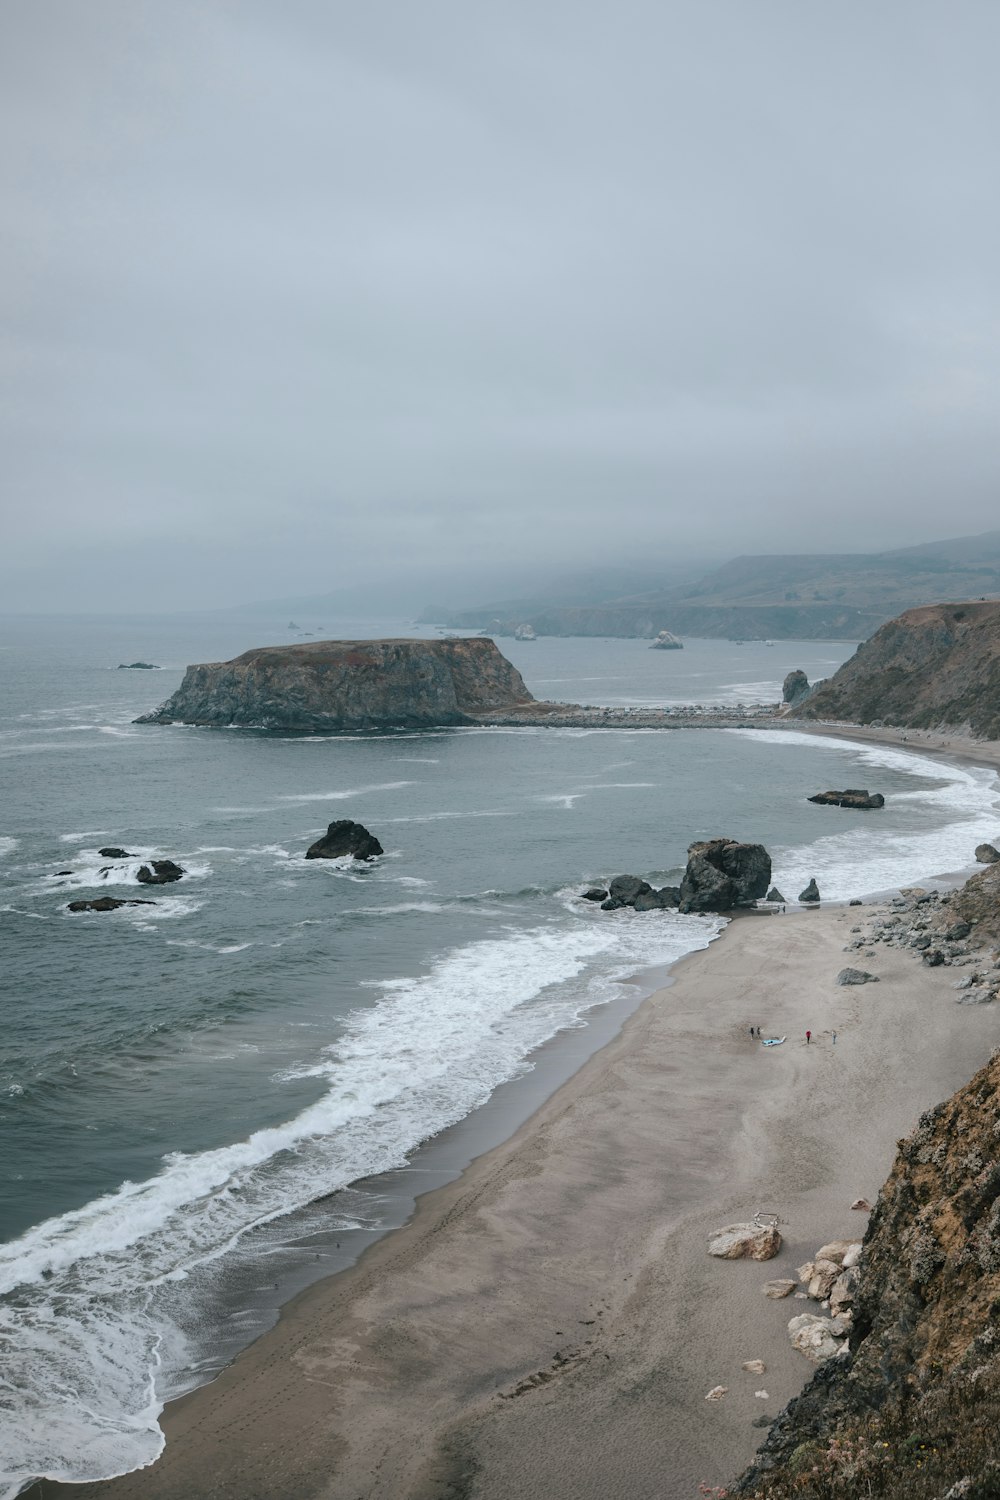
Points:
point(594, 894)
point(853, 797)
point(795, 687)
point(159, 872)
point(341, 685)
point(722, 874)
point(665, 641)
point(344, 837)
point(811, 892)
point(113, 852)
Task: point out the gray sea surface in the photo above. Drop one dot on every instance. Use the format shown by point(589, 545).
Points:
point(208, 1101)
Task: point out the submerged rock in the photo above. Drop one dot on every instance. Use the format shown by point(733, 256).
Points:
point(595, 894)
point(344, 837)
point(108, 903)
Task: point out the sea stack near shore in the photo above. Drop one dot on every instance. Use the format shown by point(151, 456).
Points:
point(336, 685)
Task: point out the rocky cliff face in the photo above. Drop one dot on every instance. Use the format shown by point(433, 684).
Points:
point(933, 667)
point(348, 685)
point(915, 1408)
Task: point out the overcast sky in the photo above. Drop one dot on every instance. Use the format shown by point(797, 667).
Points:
point(299, 294)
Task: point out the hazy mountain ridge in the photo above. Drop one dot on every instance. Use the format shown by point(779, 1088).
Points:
point(798, 595)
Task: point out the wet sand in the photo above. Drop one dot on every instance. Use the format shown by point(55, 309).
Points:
point(550, 1323)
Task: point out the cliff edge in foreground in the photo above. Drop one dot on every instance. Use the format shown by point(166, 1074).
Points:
point(936, 667)
point(914, 1412)
point(348, 685)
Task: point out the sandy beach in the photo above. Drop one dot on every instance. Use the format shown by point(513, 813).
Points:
point(550, 1323)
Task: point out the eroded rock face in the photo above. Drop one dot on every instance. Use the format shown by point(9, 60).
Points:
point(745, 1242)
point(348, 685)
point(924, 1328)
point(344, 837)
point(722, 874)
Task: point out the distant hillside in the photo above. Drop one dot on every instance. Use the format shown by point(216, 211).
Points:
point(934, 667)
point(835, 596)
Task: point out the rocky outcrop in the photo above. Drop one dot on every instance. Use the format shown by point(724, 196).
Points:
point(343, 838)
point(852, 797)
point(335, 685)
point(937, 667)
point(913, 1410)
point(987, 854)
point(795, 687)
point(634, 892)
point(723, 874)
point(978, 904)
point(159, 872)
point(856, 976)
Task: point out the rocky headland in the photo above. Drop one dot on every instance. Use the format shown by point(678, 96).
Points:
point(342, 685)
point(936, 667)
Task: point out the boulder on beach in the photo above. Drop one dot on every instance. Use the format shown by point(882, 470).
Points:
point(107, 903)
point(811, 892)
point(856, 976)
point(775, 895)
point(345, 837)
point(159, 872)
point(853, 797)
point(862, 1205)
point(986, 854)
point(815, 1337)
point(722, 874)
point(745, 1242)
point(782, 1286)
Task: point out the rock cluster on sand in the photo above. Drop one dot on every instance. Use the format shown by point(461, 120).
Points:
point(745, 1242)
point(925, 923)
point(723, 874)
point(832, 1279)
point(855, 797)
point(344, 837)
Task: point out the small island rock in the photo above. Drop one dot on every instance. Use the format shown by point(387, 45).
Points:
point(159, 872)
point(344, 837)
point(112, 852)
point(853, 797)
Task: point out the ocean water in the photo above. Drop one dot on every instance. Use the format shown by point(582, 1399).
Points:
point(207, 1100)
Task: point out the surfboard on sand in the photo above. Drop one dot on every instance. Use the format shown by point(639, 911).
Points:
point(772, 1041)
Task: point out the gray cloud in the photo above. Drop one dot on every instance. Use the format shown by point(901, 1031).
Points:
point(297, 293)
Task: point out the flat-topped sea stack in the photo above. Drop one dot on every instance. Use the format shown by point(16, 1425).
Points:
point(936, 667)
point(334, 685)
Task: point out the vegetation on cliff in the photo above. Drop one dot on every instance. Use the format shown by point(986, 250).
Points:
point(937, 667)
point(915, 1408)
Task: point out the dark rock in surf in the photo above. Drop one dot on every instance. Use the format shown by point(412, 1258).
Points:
point(595, 894)
point(107, 903)
point(137, 666)
point(159, 872)
point(795, 688)
point(62, 872)
point(623, 891)
point(722, 874)
point(667, 898)
point(811, 892)
point(113, 853)
point(775, 895)
point(343, 838)
point(852, 797)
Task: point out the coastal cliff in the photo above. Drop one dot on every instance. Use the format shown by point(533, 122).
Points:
point(935, 667)
point(348, 685)
point(914, 1412)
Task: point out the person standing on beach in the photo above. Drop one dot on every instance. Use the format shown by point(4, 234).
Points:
point(835, 1039)
point(808, 1035)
